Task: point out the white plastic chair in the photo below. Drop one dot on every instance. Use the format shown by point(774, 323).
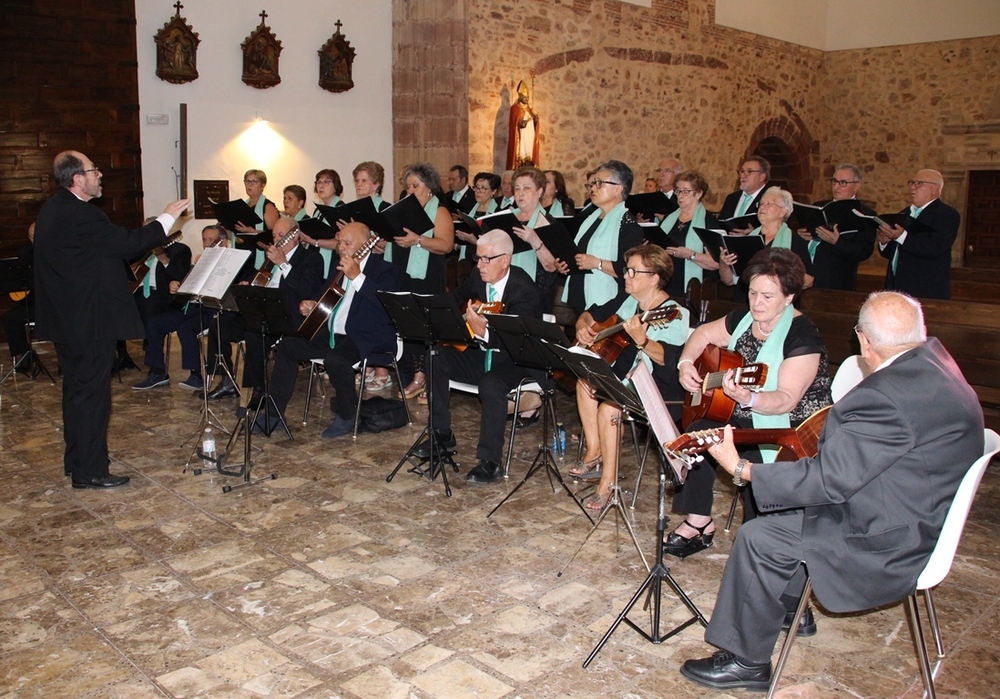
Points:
point(935, 571)
point(849, 374)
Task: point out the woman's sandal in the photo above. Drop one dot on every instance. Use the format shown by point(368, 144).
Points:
point(682, 546)
point(415, 388)
point(587, 470)
point(596, 502)
point(422, 398)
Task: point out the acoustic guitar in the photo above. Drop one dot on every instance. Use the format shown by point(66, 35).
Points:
point(136, 272)
point(319, 316)
point(711, 402)
point(611, 339)
point(482, 308)
point(263, 275)
point(795, 443)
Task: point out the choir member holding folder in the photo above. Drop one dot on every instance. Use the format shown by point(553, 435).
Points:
point(681, 241)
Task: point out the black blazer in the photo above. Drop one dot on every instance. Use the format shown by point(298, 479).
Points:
point(302, 281)
point(520, 298)
point(836, 266)
point(179, 264)
point(924, 268)
point(728, 209)
point(81, 286)
point(368, 324)
point(465, 202)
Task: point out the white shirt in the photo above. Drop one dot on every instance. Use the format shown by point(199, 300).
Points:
point(340, 320)
point(281, 271)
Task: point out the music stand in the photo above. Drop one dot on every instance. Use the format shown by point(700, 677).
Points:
point(17, 275)
point(263, 312)
point(607, 387)
point(426, 319)
point(666, 431)
point(523, 338)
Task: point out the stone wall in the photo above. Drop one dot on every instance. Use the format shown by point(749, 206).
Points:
point(612, 80)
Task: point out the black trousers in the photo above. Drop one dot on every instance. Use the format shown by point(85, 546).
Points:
point(696, 495)
point(494, 385)
point(339, 362)
point(14, 321)
point(86, 406)
point(763, 581)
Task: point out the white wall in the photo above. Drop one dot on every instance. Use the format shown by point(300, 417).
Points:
point(834, 25)
point(308, 128)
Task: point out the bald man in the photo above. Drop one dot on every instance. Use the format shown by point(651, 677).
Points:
point(84, 306)
point(864, 514)
point(920, 261)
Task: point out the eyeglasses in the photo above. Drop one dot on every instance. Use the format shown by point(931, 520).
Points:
point(251, 181)
point(743, 171)
point(630, 272)
point(93, 169)
point(842, 183)
point(482, 189)
point(686, 192)
point(486, 259)
point(324, 181)
point(597, 184)
point(918, 183)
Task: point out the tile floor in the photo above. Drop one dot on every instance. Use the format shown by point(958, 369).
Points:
point(330, 582)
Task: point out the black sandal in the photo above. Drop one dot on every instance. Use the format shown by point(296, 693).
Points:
point(682, 546)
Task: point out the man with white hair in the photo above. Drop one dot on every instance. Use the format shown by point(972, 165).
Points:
point(864, 514)
point(490, 368)
point(920, 260)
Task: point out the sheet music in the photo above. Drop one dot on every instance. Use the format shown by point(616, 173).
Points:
point(659, 419)
point(214, 272)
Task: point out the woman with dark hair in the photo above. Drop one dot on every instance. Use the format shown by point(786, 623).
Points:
point(647, 274)
point(686, 247)
point(772, 332)
point(294, 200)
point(421, 256)
point(555, 199)
point(329, 188)
point(368, 179)
point(605, 234)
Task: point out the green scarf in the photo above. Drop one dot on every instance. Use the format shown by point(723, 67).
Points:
point(598, 287)
point(301, 215)
point(691, 240)
point(772, 353)
point(782, 240)
point(527, 260)
point(556, 209)
point(416, 265)
point(673, 333)
point(258, 209)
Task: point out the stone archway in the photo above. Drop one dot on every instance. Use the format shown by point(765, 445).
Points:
point(787, 145)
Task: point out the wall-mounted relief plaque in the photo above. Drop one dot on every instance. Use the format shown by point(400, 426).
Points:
point(260, 57)
point(177, 50)
point(336, 63)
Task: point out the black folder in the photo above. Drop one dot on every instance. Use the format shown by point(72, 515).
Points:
point(743, 246)
point(739, 222)
point(651, 204)
point(230, 213)
point(838, 212)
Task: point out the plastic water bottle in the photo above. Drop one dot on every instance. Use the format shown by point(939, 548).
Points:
point(208, 445)
point(561, 432)
point(555, 443)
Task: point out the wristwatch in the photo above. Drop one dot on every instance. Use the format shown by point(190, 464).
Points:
point(738, 473)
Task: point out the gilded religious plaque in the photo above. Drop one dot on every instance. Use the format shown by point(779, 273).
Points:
point(260, 57)
point(177, 50)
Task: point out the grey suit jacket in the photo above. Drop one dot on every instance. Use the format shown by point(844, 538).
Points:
point(891, 456)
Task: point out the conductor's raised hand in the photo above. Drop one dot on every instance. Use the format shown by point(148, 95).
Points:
point(177, 208)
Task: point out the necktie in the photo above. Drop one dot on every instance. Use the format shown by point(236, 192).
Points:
point(491, 295)
point(744, 204)
point(914, 212)
point(336, 309)
point(151, 263)
point(813, 244)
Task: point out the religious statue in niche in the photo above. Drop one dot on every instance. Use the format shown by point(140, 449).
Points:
point(260, 57)
point(522, 139)
point(177, 50)
point(336, 63)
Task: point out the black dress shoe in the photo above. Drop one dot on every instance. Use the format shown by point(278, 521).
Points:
point(484, 472)
point(108, 481)
point(223, 390)
point(725, 671)
point(522, 421)
point(807, 624)
point(446, 443)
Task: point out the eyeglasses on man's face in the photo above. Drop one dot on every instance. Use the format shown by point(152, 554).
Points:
point(486, 259)
point(745, 171)
point(842, 183)
point(919, 183)
point(93, 169)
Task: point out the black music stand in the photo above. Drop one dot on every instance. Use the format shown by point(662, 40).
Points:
point(523, 337)
point(17, 276)
point(426, 319)
point(607, 387)
point(676, 470)
point(264, 312)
